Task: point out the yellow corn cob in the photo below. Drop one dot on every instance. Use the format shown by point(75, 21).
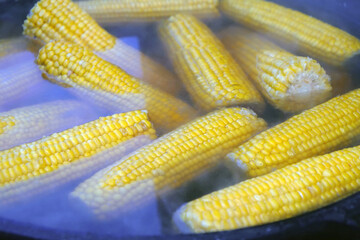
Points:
point(168, 162)
point(26, 124)
point(287, 192)
point(209, 73)
point(316, 38)
point(112, 11)
point(17, 80)
point(322, 129)
point(64, 20)
point(81, 68)
point(290, 83)
point(61, 157)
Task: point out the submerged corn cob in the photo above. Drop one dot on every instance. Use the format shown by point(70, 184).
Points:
point(110, 11)
point(81, 68)
point(64, 20)
point(61, 157)
point(20, 79)
point(210, 75)
point(290, 83)
point(26, 124)
point(287, 192)
point(316, 38)
point(324, 128)
point(168, 162)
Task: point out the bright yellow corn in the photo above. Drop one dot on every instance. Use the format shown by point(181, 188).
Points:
point(61, 157)
point(287, 192)
point(81, 68)
point(168, 162)
point(19, 79)
point(324, 128)
point(209, 73)
point(290, 83)
point(26, 124)
point(316, 38)
point(64, 20)
point(113, 11)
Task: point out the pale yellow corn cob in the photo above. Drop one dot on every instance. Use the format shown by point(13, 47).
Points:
point(78, 66)
point(209, 73)
point(168, 162)
point(113, 11)
point(61, 157)
point(324, 128)
point(290, 83)
point(316, 38)
point(19, 79)
point(26, 124)
point(287, 192)
point(63, 20)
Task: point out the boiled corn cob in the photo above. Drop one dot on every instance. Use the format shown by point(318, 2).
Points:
point(61, 157)
point(168, 162)
point(26, 124)
point(64, 20)
point(209, 73)
point(112, 11)
point(20, 79)
point(290, 83)
point(287, 192)
point(324, 128)
point(316, 38)
point(81, 68)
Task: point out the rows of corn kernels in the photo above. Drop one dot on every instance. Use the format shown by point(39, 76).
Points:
point(154, 139)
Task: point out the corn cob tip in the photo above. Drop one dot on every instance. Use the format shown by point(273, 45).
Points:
point(64, 20)
point(308, 85)
point(240, 166)
point(290, 83)
point(179, 222)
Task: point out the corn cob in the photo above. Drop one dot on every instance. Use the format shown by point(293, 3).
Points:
point(287, 192)
point(290, 83)
point(112, 11)
point(17, 80)
point(27, 124)
point(324, 128)
point(209, 73)
point(81, 68)
point(33, 167)
point(64, 20)
point(168, 162)
point(316, 38)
